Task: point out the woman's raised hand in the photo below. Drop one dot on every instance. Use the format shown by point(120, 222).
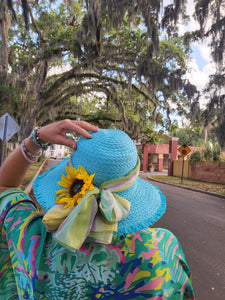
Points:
point(55, 133)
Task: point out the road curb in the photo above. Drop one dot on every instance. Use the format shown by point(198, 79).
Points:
point(188, 188)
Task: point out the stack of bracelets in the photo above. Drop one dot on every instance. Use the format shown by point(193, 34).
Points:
point(31, 158)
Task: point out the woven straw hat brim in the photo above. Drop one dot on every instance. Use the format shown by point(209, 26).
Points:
point(148, 204)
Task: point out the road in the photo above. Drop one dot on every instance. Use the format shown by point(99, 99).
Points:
point(198, 221)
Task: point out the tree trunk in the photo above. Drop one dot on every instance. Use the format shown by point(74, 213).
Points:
point(4, 50)
point(30, 121)
point(205, 134)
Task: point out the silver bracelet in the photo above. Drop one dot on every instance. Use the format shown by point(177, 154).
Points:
point(31, 158)
point(36, 140)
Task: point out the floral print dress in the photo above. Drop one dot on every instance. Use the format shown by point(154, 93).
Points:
point(149, 264)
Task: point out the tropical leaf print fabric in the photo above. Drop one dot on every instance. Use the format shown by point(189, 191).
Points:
point(147, 265)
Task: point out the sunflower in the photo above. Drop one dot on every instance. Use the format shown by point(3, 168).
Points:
point(75, 185)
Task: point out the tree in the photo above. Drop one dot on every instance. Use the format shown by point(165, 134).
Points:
point(118, 72)
point(6, 6)
point(190, 135)
point(213, 12)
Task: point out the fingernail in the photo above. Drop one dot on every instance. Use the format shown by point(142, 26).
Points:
point(96, 127)
point(74, 146)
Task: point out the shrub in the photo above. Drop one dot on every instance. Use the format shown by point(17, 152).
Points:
point(195, 157)
point(140, 154)
point(216, 153)
point(207, 154)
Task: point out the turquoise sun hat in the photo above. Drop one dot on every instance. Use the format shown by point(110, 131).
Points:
point(110, 154)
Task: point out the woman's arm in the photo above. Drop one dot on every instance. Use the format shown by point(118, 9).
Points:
point(15, 167)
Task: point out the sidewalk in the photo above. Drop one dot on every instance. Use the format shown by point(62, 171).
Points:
point(145, 175)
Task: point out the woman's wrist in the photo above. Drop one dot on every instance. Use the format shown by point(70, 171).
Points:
point(29, 151)
point(36, 139)
point(31, 147)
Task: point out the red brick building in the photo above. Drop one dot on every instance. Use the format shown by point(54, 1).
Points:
point(161, 156)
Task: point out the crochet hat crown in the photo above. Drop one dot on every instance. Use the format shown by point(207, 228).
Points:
point(109, 154)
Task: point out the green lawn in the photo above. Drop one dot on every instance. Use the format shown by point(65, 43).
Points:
point(206, 186)
point(31, 173)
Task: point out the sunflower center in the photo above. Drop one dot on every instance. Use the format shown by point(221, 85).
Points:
point(76, 187)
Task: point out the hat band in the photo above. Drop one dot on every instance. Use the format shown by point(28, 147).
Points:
point(96, 216)
point(118, 184)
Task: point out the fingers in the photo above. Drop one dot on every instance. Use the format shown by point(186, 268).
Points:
point(86, 125)
point(80, 127)
point(55, 133)
point(62, 140)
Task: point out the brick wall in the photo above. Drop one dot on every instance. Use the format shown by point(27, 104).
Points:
point(203, 171)
point(208, 171)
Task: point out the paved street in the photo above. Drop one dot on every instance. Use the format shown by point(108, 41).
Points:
point(49, 163)
point(198, 221)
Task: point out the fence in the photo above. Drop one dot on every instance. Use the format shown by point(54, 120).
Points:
point(203, 171)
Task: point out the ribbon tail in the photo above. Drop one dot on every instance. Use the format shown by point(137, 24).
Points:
point(101, 230)
point(113, 207)
point(102, 237)
point(74, 230)
point(55, 216)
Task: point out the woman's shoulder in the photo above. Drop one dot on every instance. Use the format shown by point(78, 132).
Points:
point(147, 239)
point(161, 234)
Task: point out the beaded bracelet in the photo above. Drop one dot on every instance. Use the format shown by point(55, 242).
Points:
point(36, 140)
point(27, 155)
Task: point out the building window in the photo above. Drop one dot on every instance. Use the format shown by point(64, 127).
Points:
point(155, 159)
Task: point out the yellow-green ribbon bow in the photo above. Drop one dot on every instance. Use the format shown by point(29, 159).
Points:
point(96, 216)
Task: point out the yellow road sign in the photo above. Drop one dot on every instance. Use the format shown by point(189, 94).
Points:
point(184, 150)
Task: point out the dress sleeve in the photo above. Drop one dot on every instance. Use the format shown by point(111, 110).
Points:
point(15, 205)
point(166, 272)
point(11, 201)
point(179, 269)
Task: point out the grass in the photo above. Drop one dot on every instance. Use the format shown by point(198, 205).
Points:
point(31, 173)
point(205, 186)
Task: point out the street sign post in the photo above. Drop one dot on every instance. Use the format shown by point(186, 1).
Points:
point(184, 150)
point(8, 127)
